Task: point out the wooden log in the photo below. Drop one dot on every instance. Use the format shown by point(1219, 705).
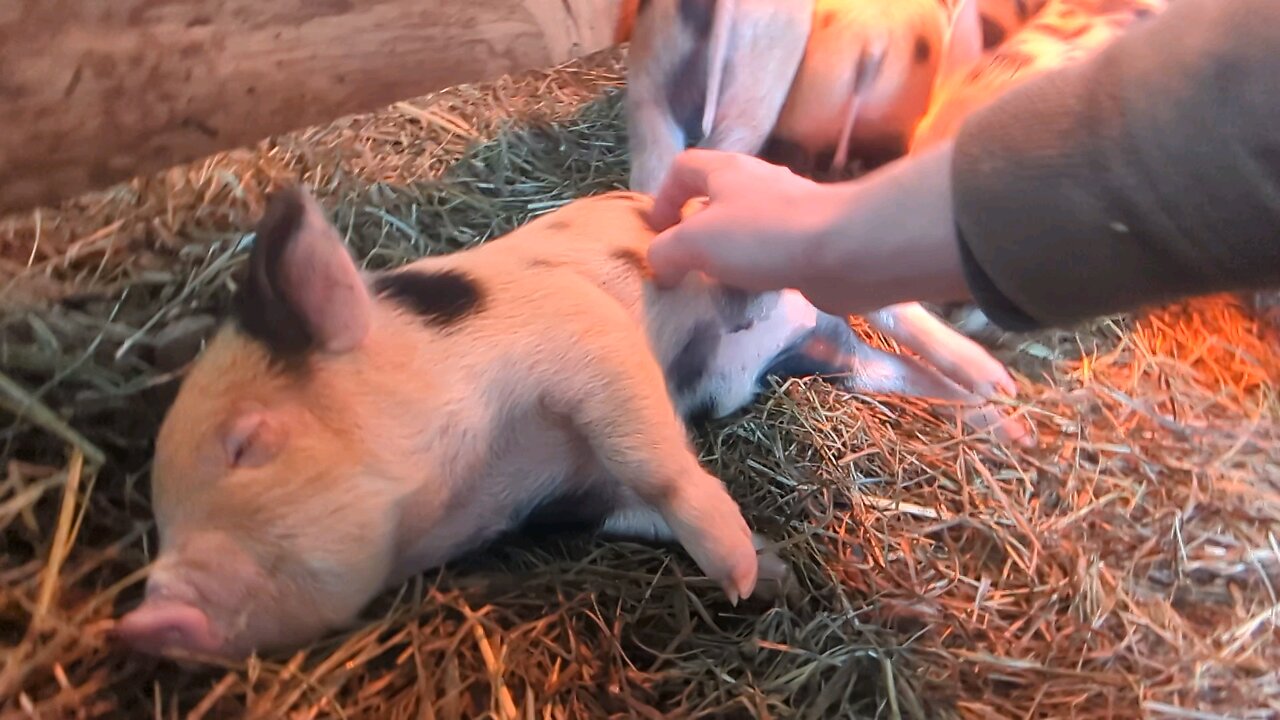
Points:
point(93, 92)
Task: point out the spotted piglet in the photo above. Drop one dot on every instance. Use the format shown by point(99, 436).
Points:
point(863, 83)
point(805, 82)
point(347, 430)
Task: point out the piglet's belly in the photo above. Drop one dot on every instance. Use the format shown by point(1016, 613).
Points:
point(538, 470)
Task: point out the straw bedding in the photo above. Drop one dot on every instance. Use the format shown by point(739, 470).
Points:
point(1128, 566)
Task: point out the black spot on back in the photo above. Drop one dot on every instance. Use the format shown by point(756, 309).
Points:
point(687, 94)
point(733, 309)
point(441, 298)
point(697, 15)
point(691, 362)
point(922, 50)
point(261, 309)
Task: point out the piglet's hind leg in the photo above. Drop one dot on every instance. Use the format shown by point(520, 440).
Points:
point(623, 409)
point(644, 524)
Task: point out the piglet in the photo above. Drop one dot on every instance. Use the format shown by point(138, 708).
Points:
point(802, 81)
point(864, 81)
point(346, 430)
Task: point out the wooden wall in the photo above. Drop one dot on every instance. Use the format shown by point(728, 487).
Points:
point(93, 92)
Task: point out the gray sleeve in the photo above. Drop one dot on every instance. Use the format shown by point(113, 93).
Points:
point(1150, 172)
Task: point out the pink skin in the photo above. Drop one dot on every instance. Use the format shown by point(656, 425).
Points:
point(161, 625)
point(207, 614)
point(209, 597)
point(171, 617)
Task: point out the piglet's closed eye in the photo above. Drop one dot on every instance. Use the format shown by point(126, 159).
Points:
point(303, 291)
point(252, 438)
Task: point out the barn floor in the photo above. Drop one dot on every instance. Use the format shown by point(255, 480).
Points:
point(1129, 566)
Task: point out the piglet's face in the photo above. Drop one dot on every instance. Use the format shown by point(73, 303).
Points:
point(275, 523)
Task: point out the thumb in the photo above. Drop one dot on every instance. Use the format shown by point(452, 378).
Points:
point(675, 253)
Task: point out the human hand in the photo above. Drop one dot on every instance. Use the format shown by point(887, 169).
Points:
point(751, 233)
point(850, 248)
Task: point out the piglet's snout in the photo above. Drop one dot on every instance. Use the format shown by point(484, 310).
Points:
point(176, 615)
point(164, 622)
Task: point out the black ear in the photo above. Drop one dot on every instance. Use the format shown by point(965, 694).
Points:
point(261, 307)
point(301, 291)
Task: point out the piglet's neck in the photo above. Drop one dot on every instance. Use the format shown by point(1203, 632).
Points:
point(400, 373)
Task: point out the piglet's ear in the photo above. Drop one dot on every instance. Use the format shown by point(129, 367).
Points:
point(303, 290)
point(252, 439)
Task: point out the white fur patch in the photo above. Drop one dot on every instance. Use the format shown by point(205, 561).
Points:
point(735, 369)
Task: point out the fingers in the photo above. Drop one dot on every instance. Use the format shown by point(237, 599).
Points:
point(679, 250)
point(688, 178)
point(675, 253)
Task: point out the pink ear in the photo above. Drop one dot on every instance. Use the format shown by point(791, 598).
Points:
point(302, 290)
point(324, 284)
point(253, 439)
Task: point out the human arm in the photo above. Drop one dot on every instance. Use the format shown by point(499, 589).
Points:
point(1148, 173)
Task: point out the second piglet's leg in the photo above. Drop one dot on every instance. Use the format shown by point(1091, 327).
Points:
point(834, 351)
point(656, 140)
point(621, 406)
point(959, 358)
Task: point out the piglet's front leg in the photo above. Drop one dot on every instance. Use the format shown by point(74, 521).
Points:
point(621, 406)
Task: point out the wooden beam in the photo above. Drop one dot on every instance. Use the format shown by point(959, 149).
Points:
point(93, 92)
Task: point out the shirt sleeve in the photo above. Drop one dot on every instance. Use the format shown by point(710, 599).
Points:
point(1147, 173)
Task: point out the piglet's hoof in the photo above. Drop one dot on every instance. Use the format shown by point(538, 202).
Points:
point(711, 529)
point(774, 578)
point(1007, 429)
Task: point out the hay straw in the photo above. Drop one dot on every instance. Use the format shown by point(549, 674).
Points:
point(1128, 566)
